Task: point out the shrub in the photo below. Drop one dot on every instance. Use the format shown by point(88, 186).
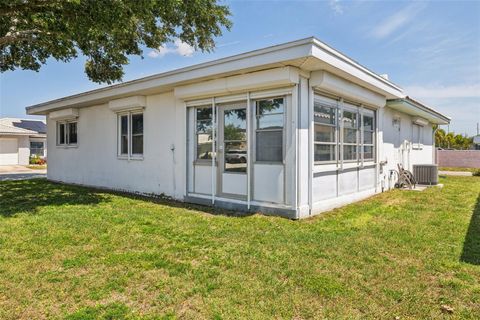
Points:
point(476, 173)
point(37, 160)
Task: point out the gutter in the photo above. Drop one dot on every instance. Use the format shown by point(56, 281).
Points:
point(415, 104)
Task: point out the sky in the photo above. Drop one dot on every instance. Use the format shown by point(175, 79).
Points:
point(429, 48)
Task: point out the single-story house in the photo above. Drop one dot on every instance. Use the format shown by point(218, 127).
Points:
point(21, 138)
point(293, 130)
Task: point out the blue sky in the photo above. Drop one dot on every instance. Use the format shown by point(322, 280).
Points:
point(431, 49)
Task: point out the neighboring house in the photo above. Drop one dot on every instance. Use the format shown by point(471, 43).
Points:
point(21, 138)
point(292, 130)
point(476, 142)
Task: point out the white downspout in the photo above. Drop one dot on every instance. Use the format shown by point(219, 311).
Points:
point(310, 146)
point(249, 165)
point(213, 150)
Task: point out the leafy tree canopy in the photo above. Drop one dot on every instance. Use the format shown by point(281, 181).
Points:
point(452, 141)
point(105, 31)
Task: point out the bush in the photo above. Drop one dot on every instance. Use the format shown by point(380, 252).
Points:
point(476, 173)
point(37, 160)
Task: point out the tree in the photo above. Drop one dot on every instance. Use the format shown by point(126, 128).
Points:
point(452, 140)
point(106, 32)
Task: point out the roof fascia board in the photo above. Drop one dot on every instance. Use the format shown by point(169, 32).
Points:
point(328, 82)
point(282, 53)
point(257, 80)
point(418, 110)
point(267, 56)
point(356, 70)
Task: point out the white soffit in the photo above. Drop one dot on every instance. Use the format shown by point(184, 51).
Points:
point(134, 102)
point(255, 80)
point(328, 82)
point(64, 114)
point(405, 106)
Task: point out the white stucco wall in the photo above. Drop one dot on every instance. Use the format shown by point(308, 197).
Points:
point(397, 146)
point(23, 150)
point(298, 184)
point(94, 160)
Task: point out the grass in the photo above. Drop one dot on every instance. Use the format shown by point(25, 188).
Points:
point(458, 169)
point(75, 253)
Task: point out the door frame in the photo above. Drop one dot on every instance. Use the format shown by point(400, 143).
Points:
point(220, 147)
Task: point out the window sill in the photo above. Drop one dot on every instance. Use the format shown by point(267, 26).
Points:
point(333, 166)
point(135, 158)
point(278, 163)
point(67, 146)
point(204, 162)
point(417, 147)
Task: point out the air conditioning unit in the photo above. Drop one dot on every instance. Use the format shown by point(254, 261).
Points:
point(426, 173)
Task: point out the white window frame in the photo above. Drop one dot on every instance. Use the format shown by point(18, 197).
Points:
point(195, 108)
point(333, 105)
point(256, 129)
point(355, 110)
point(370, 114)
point(417, 145)
point(42, 148)
point(66, 133)
point(339, 143)
point(129, 155)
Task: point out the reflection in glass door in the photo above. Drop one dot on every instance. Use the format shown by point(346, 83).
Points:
point(235, 140)
point(232, 149)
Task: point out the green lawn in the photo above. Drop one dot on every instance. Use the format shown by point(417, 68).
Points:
point(75, 253)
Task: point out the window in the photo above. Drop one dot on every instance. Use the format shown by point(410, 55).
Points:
point(36, 148)
point(137, 134)
point(344, 133)
point(130, 134)
point(235, 139)
point(61, 133)
point(350, 135)
point(72, 133)
point(417, 136)
point(269, 129)
point(325, 135)
point(368, 134)
point(67, 133)
point(204, 133)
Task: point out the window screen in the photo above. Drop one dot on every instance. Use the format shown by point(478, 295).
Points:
point(204, 133)
point(325, 131)
point(269, 129)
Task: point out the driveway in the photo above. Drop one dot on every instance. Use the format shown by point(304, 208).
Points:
point(20, 173)
point(455, 173)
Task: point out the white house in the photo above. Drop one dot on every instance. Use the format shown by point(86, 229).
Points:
point(292, 130)
point(21, 138)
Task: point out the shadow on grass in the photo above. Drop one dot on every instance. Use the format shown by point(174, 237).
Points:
point(471, 246)
point(28, 195)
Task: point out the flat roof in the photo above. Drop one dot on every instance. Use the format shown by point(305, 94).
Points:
point(304, 54)
point(277, 54)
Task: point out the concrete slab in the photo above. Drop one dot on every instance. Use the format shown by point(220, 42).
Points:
point(455, 173)
point(21, 176)
point(16, 172)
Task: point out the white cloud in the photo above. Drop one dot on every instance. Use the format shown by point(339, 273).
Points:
point(179, 47)
point(399, 19)
point(460, 102)
point(158, 53)
point(183, 49)
point(226, 44)
point(444, 92)
point(336, 6)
